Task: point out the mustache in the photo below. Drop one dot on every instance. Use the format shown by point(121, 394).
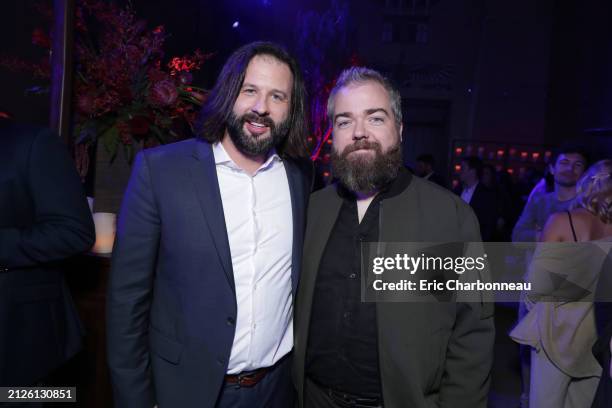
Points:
point(253, 117)
point(360, 144)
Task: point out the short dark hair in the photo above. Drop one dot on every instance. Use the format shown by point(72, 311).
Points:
point(569, 148)
point(474, 163)
point(426, 158)
point(220, 101)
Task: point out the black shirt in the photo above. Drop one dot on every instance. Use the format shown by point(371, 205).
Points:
point(342, 351)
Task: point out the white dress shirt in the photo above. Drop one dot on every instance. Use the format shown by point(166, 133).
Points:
point(259, 222)
point(467, 193)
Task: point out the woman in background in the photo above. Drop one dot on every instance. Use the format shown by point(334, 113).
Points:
point(564, 373)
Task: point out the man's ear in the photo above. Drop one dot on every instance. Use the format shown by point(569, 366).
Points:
point(551, 168)
point(401, 130)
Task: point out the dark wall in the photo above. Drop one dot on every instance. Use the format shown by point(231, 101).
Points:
point(208, 25)
point(581, 69)
point(512, 75)
point(17, 21)
point(513, 71)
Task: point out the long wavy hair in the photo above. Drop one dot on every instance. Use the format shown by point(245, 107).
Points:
point(219, 105)
point(594, 191)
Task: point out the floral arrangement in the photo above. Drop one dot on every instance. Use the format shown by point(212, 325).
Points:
point(123, 94)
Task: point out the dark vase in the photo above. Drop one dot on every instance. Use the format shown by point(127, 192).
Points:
point(111, 179)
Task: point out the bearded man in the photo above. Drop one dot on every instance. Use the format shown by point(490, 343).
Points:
point(209, 241)
point(350, 353)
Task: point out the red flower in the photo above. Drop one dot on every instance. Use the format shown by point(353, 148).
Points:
point(85, 104)
point(139, 126)
point(163, 93)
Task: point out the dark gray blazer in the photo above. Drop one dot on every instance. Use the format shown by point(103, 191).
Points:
point(431, 354)
point(44, 219)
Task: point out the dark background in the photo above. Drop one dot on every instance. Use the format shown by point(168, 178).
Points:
point(522, 71)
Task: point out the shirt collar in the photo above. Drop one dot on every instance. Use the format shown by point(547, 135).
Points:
point(223, 159)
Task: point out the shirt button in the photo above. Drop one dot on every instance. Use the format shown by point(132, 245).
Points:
point(231, 321)
point(352, 275)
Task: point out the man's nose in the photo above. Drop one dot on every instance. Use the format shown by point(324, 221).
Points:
point(359, 131)
point(261, 106)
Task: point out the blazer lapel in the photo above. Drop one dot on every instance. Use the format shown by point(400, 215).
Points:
point(322, 215)
point(204, 177)
point(296, 190)
point(319, 227)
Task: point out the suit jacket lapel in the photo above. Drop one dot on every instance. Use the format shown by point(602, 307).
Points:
point(322, 215)
point(318, 230)
point(204, 177)
point(297, 191)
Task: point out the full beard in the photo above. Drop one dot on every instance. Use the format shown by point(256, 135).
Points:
point(256, 145)
point(364, 174)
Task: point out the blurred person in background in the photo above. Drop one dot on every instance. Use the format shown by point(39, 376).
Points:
point(44, 219)
point(561, 333)
point(425, 169)
point(478, 196)
point(567, 167)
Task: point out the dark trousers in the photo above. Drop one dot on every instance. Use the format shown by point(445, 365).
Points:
point(275, 390)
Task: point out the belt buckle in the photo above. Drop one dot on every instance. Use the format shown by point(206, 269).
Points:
point(351, 401)
point(340, 398)
point(241, 377)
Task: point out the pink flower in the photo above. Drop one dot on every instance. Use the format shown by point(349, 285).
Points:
point(163, 93)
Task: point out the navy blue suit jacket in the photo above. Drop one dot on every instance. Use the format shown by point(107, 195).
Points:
point(172, 302)
point(44, 219)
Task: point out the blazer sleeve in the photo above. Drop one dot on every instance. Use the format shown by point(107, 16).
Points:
point(130, 291)
point(62, 225)
point(469, 355)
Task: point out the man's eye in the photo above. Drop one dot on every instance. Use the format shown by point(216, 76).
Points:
point(249, 91)
point(278, 97)
point(377, 120)
point(343, 123)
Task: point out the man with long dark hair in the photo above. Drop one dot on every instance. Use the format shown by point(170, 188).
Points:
point(208, 250)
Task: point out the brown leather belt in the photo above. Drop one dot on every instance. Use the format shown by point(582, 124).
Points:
point(247, 378)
